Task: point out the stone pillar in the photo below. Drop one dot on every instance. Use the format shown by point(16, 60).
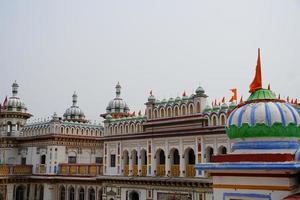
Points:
point(10, 191)
point(182, 160)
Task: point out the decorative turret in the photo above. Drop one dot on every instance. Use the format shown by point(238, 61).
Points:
point(117, 107)
point(74, 113)
point(13, 113)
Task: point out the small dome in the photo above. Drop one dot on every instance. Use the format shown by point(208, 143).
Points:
point(164, 101)
point(177, 99)
point(184, 96)
point(262, 115)
point(151, 98)
point(14, 103)
point(117, 105)
point(74, 113)
point(200, 90)
point(108, 117)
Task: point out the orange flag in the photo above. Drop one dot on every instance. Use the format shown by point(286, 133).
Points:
point(234, 95)
point(241, 100)
point(256, 83)
point(269, 87)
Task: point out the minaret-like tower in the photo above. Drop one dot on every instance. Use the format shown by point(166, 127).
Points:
point(13, 114)
point(74, 113)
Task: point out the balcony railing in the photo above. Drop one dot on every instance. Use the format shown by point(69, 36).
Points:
point(190, 171)
point(144, 170)
point(126, 170)
point(160, 170)
point(80, 169)
point(6, 170)
point(175, 170)
point(134, 170)
point(41, 169)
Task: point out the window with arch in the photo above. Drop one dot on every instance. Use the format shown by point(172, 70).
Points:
point(91, 194)
point(176, 111)
point(183, 110)
point(214, 120)
point(155, 114)
point(62, 193)
point(209, 152)
point(198, 107)
point(132, 128)
point(169, 112)
point(191, 109)
point(162, 112)
point(71, 194)
point(223, 119)
point(222, 150)
point(61, 129)
point(67, 130)
point(81, 194)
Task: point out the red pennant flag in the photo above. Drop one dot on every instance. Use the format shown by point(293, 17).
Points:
point(234, 95)
point(269, 87)
point(184, 93)
point(257, 81)
point(279, 97)
point(292, 101)
point(241, 100)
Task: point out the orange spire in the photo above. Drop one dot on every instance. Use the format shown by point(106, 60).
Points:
point(269, 87)
point(257, 82)
point(234, 95)
point(184, 93)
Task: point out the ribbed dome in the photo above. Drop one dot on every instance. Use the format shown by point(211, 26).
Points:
point(200, 90)
point(14, 103)
point(74, 113)
point(262, 115)
point(117, 105)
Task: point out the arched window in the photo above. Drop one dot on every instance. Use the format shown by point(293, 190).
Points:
point(132, 128)
point(71, 194)
point(209, 152)
point(134, 196)
point(155, 114)
point(190, 162)
point(223, 119)
point(214, 120)
point(176, 111)
point(162, 112)
point(62, 193)
point(20, 193)
point(41, 195)
point(160, 162)
point(169, 112)
point(81, 194)
point(9, 127)
point(222, 150)
point(91, 194)
point(67, 130)
point(191, 109)
point(198, 107)
point(183, 110)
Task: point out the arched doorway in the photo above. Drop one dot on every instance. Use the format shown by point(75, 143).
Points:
point(125, 163)
point(160, 162)
point(134, 195)
point(81, 194)
point(20, 193)
point(189, 163)
point(134, 158)
point(175, 162)
point(62, 193)
point(209, 152)
point(92, 194)
point(144, 162)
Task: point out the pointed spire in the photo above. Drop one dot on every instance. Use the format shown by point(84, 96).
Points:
point(241, 100)
point(269, 86)
point(15, 89)
point(118, 90)
point(223, 100)
point(184, 93)
point(279, 97)
point(296, 101)
point(74, 99)
point(151, 93)
point(140, 113)
point(257, 81)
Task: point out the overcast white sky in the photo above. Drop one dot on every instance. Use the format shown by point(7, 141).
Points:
point(54, 47)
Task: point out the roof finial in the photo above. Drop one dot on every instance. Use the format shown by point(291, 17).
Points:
point(74, 98)
point(257, 81)
point(118, 89)
point(15, 88)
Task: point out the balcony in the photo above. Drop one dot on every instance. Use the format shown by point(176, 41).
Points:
point(66, 169)
point(126, 170)
point(41, 169)
point(144, 170)
point(160, 170)
point(6, 170)
point(175, 172)
point(190, 171)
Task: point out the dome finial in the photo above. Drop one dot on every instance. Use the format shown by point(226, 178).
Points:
point(15, 88)
point(74, 98)
point(118, 90)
